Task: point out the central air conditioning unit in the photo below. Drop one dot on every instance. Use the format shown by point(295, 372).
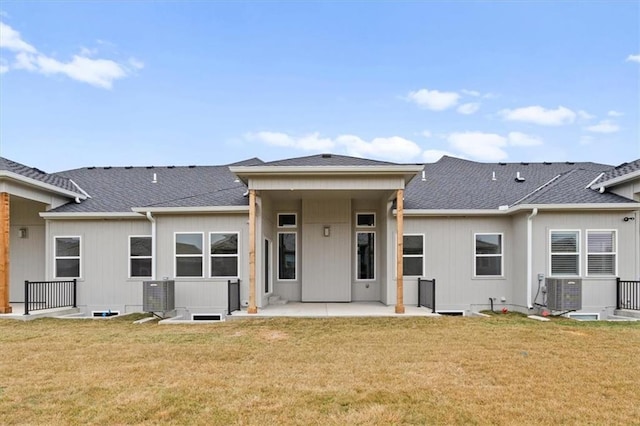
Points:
point(564, 294)
point(158, 296)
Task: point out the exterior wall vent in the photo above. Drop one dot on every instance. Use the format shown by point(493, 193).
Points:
point(326, 155)
point(207, 317)
point(158, 296)
point(564, 294)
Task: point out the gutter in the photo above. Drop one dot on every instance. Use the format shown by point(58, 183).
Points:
point(153, 244)
point(533, 214)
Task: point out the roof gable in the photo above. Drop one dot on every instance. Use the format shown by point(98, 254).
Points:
point(332, 160)
point(39, 177)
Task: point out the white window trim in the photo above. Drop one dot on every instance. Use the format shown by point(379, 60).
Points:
point(270, 260)
point(176, 255)
point(476, 255)
point(423, 255)
point(237, 255)
point(295, 215)
point(56, 257)
point(613, 253)
point(375, 254)
point(366, 226)
point(579, 316)
point(579, 252)
point(129, 258)
point(278, 257)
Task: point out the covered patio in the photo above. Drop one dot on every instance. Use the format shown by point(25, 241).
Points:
point(325, 310)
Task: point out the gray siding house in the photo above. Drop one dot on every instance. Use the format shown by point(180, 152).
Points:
point(323, 228)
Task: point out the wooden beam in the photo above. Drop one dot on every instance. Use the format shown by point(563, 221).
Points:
point(399, 252)
point(252, 309)
point(5, 222)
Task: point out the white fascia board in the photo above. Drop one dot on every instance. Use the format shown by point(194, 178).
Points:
point(519, 208)
point(617, 180)
point(91, 215)
point(204, 209)
point(407, 171)
point(41, 185)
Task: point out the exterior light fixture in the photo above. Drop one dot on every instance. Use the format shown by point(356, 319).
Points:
point(326, 231)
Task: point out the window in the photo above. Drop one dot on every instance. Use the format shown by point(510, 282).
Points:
point(224, 254)
point(413, 255)
point(139, 256)
point(365, 257)
point(601, 253)
point(286, 220)
point(67, 257)
point(488, 255)
point(565, 252)
point(366, 220)
point(189, 254)
point(287, 255)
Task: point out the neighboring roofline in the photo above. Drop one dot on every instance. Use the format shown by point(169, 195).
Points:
point(41, 185)
point(519, 208)
point(91, 215)
point(199, 209)
point(617, 180)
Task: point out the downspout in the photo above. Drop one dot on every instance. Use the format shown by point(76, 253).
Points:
point(153, 245)
point(533, 214)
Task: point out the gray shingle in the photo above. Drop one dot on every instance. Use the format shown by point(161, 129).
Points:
point(39, 175)
point(452, 183)
point(621, 170)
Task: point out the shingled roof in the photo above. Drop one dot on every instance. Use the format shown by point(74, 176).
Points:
point(119, 189)
point(38, 175)
point(620, 171)
point(456, 184)
point(332, 160)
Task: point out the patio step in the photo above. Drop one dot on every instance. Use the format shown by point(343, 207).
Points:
point(276, 300)
point(627, 313)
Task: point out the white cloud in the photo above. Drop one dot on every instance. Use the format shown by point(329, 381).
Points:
point(426, 134)
point(3, 66)
point(470, 92)
point(633, 58)
point(434, 99)
point(393, 148)
point(585, 115)
point(539, 115)
point(605, 126)
point(433, 155)
point(522, 139)
point(469, 108)
point(97, 72)
point(613, 113)
point(479, 145)
point(10, 39)
point(310, 142)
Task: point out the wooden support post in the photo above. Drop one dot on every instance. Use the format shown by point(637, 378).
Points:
point(252, 309)
point(5, 221)
point(399, 252)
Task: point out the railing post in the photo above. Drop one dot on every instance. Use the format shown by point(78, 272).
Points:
point(26, 297)
point(228, 297)
point(433, 295)
point(75, 293)
point(419, 285)
point(618, 293)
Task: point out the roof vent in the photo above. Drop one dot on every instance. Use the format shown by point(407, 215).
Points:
point(149, 167)
point(424, 177)
point(493, 176)
point(503, 164)
point(171, 167)
point(571, 163)
point(519, 178)
point(192, 166)
point(91, 168)
point(326, 155)
point(524, 164)
point(547, 163)
point(107, 167)
point(128, 167)
point(155, 178)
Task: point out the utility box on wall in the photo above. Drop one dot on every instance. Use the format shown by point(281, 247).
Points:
point(158, 296)
point(564, 294)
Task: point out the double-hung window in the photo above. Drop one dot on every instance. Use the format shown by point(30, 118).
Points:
point(67, 257)
point(564, 252)
point(287, 246)
point(139, 256)
point(189, 254)
point(413, 255)
point(224, 254)
point(488, 255)
point(601, 253)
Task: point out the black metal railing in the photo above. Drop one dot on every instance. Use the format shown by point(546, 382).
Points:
point(427, 293)
point(233, 296)
point(39, 295)
point(628, 294)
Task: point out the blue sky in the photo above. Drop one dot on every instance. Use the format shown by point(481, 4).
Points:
point(159, 83)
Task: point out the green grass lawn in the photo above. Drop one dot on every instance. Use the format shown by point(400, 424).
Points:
point(500, 370)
